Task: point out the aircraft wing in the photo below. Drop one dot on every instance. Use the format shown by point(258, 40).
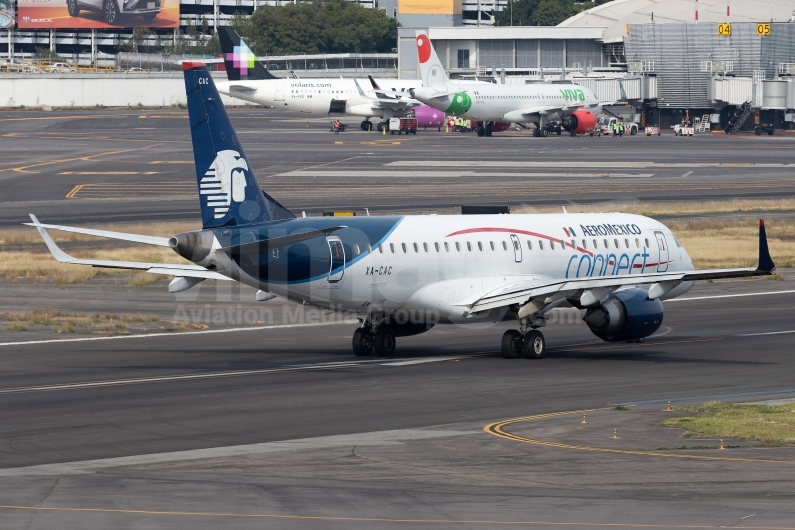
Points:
point(539, 293)
point(540, 109)
point(384, 100)
point(184, 270)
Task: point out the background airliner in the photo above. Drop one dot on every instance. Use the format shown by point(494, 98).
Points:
point(250, 81)
point(537, 103)
point(401, 275)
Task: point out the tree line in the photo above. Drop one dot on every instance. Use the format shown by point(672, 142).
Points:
point(328, 26)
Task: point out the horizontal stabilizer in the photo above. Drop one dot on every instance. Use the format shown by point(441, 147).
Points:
point(186, 270)
point(135, 238)
point(282, 241)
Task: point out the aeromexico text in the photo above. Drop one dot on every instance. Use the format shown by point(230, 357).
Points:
point(610, 230)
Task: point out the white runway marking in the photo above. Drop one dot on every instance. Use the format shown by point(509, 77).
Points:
point(728, 296)
point(174, 334)
point(411, 362)
point(322, 442)
point(768, 333)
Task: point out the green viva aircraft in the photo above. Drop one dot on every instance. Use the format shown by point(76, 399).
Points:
point(490, 103)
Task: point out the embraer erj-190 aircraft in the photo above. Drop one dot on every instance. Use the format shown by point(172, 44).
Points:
point(401, 275)
point(250, 81)
point(531, 103)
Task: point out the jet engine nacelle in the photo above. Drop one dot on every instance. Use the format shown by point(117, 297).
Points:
point(625, 315)
point(579, 122)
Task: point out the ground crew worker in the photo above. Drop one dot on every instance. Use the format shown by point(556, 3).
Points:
point(337, 126)
point(614, 126)
point(621, 129)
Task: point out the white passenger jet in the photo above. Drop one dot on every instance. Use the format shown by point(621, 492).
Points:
point(250, 81)
point(401, 275)
point(535, 103)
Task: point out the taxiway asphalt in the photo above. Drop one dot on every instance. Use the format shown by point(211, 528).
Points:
point(278, 425)
point(137, 165)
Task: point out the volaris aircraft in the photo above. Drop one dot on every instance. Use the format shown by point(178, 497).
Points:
point(401, 275)
point(489, 103)
point(250, 81)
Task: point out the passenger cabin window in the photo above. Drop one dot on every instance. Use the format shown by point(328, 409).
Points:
point(647, 242)
point(355, 250)
point(425, 246)
point(552, 245)
point(492, 244)
point(607, 245)
point(584, 244)
point(595, 245)
point(416, 248)
point(626, 243)
point(405, 249)
point(469, 246)
point(381, 249)
point(458, 246)
point(637, 242)
point(447, 247)
point(618, 245)
point(480, 246)
point(437, 246)
point(529, 245)
point(573, 244)
point(504, 245)
point(369, 249)
point(541, 245)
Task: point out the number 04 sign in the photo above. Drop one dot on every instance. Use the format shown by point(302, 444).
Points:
point(763, 30)
point(725, 29)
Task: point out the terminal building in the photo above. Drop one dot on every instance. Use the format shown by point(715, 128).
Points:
point(673, 59)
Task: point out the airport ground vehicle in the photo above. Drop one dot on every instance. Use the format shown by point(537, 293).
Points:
point(400, 125)
point(606, 125)
point(764, 128)
point(684, 129)
point(112, 10)
point(61, 68)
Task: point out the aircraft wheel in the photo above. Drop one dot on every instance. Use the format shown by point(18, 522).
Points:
point(367, 125)
point(511, 344)
point(384, 341)
point(488, 131)
point(536, 133)
point(534, 345)
point(362, 342)
point(544, 133)
point(481, 131)
point(382, 127)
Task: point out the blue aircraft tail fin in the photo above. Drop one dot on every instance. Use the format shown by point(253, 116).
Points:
point(229, 193)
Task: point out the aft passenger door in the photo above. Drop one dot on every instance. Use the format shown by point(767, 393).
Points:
point(662, 245)
point(337, 251)
point(517, 248)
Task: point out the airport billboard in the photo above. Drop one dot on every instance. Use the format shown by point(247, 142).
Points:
point(429, 7)
point(97, 14)
point(6, 14)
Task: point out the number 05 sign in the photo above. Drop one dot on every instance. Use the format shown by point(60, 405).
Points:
point(763, 30)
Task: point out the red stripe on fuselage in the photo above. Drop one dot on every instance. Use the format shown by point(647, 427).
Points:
point(523, 232)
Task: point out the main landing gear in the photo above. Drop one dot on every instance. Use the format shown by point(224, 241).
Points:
point(531, 345)
point(540, 132)
point(484, 129)
point(367, 125)
point(382, 341)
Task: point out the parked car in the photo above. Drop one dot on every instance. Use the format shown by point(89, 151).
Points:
point(112, 9)
point(61, 68)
